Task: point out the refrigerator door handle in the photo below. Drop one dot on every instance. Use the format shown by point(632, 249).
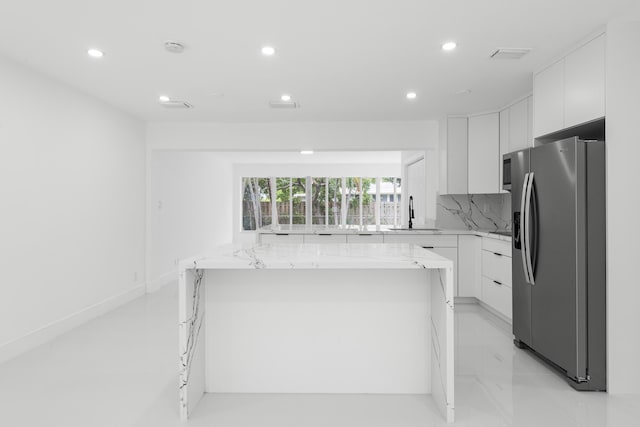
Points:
point(527, 241)
point(523, 226)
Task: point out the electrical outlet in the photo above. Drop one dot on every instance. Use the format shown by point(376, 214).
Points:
point(135, 276)
point(159, 205)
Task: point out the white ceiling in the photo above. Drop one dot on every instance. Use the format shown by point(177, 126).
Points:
point(340, 59)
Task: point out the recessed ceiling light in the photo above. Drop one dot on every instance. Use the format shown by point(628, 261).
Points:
point(164, 98)
point(411, 95)
point(306, 152)
point(449, 46)
point(174, 46)
point(268, 50)
point(95, 53)
point(286, 98)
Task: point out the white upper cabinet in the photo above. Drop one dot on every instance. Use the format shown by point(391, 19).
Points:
point(548, 100)
point(519, 120)
point(584, 83)
point(504, 140)
point(530, 122)
point(453, 157)
point(516, 134)
point(571, 91)
point(484, 154)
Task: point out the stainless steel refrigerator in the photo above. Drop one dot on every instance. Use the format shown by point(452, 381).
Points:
point(559, 291)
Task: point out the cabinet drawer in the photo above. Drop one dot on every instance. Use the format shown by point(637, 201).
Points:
point(496, 267)
point(499, 246)
point(433, 240)
point(365, 238)
point(325, 238)
point(281, 238)
point(496, 296)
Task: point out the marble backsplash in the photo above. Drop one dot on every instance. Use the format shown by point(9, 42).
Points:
point(474, 211)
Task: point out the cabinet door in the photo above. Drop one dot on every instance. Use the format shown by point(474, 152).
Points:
point(469, 263)
point(548, 100)
point(519, 125)
point(456, 175)
point(425, 240)
point(484, 154)
point(364, 238)
point(530, 122)
point(504, 140)
point(585, 83)
point(325, 238)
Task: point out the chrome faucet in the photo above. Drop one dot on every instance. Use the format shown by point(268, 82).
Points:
point(411, 214)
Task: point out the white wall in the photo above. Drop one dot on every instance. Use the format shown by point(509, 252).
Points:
point(369, 136)
point(72, 218)
point(425, 208)
point(415, 185)
point(189, 209)
point(623, 204)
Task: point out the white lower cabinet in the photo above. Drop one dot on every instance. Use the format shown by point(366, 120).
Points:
point(469, 266)
point(497, 296)
point(325, 238)
point(281, 238)
point(445, 245)
point(481, 265)
point(497, 267)
point(496, 275)
point(365, 238)
point(424, 240)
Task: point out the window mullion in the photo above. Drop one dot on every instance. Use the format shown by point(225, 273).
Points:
point(360, 199)
point(308, 219)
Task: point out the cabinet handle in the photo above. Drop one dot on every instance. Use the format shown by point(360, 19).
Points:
point(324, 234)
point(364, 234)
point(427, 247)
point(282, 234)
point(496, 253)
point(497, 283)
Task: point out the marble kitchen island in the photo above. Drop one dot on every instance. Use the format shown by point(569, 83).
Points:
point(325, 318)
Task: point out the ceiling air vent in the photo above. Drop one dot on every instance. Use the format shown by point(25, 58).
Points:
point(284, 104)
point(509, 53)
point(177, 104)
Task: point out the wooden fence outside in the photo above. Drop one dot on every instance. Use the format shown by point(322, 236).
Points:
point(387, 210)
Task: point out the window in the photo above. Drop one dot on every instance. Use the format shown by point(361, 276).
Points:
point(390, 199)
point(356, 201)
point(256, 203)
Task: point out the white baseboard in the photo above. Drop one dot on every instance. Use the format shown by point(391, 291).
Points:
point(54, 329)
point(465, 300)
point(496, 313)
point(162, 281)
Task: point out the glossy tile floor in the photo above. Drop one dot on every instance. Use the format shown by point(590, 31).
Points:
point(120, 370)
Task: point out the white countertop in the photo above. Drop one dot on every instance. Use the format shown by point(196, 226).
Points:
point(319, 256)
point(372, 229)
